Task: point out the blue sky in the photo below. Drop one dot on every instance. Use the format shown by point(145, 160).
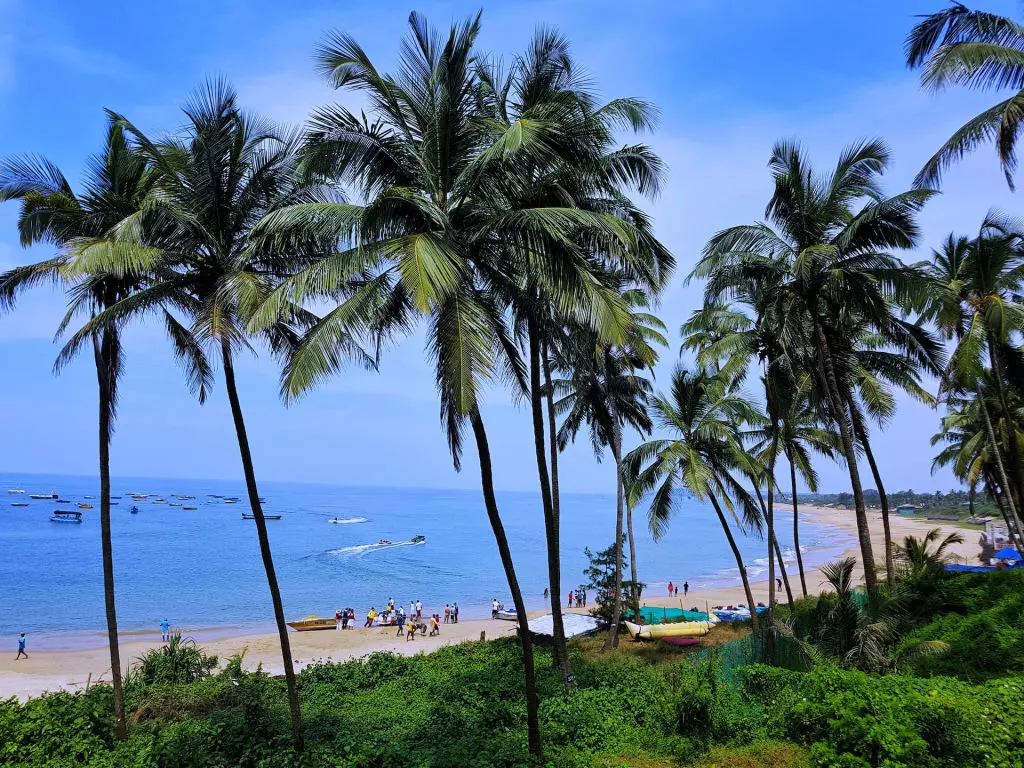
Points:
point(729, 79)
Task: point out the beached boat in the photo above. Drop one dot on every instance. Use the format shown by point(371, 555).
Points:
point(313, 622)
point(60, 516)
point(15, 490)
point(247, 516)
point(678, 629)
point(19, 503)
point(506, 614)
point(43, 496)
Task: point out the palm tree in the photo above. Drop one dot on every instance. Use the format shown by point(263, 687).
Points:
point(824, 257)
point(800, 433)
point(927, 555)
point(217, 179)
point(117, 183)
point(974, 300)
point(583, 167)
point(447, 234)
point(703, 455)
point(981, 51)
point(605, 393)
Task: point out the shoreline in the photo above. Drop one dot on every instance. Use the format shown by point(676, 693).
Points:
point(75, 668)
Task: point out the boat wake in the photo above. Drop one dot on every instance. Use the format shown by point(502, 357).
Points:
point(362, 549)
point(347, 520)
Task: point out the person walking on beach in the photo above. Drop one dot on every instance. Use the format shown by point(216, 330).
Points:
point(686, 588)
point(351, 618)
point(570, 598)
point(419, 610)
point(21, 648)
point(455, 613)
point(778, 583)
point(339, 620)
point(165, 631)
point(410, 630)
point(447, 613)
point(677, 590)
point(435, 625)
point(670, 588)
point(370, 617)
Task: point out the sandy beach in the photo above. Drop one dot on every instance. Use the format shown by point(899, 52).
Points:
point(74, 669)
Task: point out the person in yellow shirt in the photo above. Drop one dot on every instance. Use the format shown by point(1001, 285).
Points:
point(370, 617)
point(410, 630)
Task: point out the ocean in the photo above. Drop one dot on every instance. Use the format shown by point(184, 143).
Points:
point(201, 569)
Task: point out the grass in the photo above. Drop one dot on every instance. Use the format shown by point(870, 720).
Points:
point(764, 755)
point(657, 652)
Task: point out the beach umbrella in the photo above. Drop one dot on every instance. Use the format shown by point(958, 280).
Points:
point(1008, 553)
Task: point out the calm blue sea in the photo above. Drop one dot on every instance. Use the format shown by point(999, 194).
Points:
point(202, 568)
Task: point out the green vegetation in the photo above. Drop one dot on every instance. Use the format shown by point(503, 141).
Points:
point(636, 706)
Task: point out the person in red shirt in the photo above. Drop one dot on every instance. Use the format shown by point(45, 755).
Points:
point(570, 598)
point(670, 588)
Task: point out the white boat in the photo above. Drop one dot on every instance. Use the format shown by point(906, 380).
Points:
point(66, 517)
point(507, 614)
point(15, 490)
point(43, 496)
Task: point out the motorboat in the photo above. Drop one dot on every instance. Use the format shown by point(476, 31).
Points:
point(312, 623)
point(418, 539)
point(506, 614)
point(385, 541)
point(19, 503)
point(85, 506)
point(135, 510)
point(43, 496)
point(60, 516)
point(247, 516)
point(190, 507)
point(346, 520)
point(15, 490)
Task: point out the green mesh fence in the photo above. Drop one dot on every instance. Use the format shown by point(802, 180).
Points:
point(754, 649)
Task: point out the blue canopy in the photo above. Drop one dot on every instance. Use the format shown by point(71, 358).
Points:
point(1009, 553)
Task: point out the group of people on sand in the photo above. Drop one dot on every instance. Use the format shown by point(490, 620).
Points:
point(345, 618)
point(578, 598)
point(673, 589)
point(408, 622)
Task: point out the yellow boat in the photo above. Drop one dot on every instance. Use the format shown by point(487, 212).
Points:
point(85, 506)
point(312, 622)
point(677, 629)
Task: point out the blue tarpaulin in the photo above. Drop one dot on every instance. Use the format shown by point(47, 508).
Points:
point(1009, 553)
point(957, 568)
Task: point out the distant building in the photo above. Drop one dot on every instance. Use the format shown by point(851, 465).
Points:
point(907, 509)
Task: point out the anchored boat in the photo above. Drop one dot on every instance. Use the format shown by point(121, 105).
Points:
point(312, 622)
point(246, 516)
point(60, 516)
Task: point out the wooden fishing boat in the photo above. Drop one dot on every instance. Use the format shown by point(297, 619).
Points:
point(43, 496)
point(19, 503)
point(313, 622)
point(190, 507)
point(661, 631)
point(247, 516)
point(85, 506)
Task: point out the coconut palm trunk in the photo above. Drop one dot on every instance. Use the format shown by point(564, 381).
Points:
point(550, 522)
point(1017, 465)
point(106, 352)
point(632, 558)
point(850, 452)
point(613, 632)
point(796, 528)
point(491, 504)
point(739, 562)
point(778, 550)
point(862, 438)
point(268, 560)
point(1000, 467)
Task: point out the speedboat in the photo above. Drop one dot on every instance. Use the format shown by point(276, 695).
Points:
point(60, 516)
point(15, 490)
point(384, 541)
point(313, 622)
point(418, 539)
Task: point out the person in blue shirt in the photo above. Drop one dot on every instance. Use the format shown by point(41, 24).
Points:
point(21, 648)
point(165, 631)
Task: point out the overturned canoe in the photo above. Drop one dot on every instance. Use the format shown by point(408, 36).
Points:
point(679, 629)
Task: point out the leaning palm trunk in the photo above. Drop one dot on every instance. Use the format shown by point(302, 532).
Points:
point(739, 562)
point(1017, 465)
point(105, 353)
point(778, 551)
point(613, 632)
point(264, 539)
point(770, 516)
point(796, 528)
point(550, 522)
point(862, 437)
point(997, 454)
point(491, 504)
point(850, 452)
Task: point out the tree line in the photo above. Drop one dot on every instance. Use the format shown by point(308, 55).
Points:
point(498, 204)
